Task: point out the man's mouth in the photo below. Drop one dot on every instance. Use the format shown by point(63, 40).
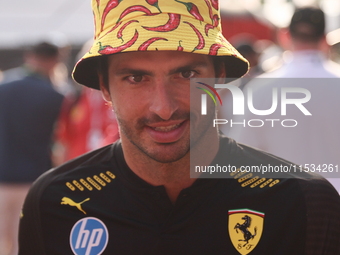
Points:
point(167, 128)
point(167, 132)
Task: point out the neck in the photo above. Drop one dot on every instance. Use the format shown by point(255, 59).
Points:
point(36, 70)
point(298, 45)
point(174, 176)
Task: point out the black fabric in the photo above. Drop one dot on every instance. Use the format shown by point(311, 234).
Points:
point(302, 214)
point(28, 110)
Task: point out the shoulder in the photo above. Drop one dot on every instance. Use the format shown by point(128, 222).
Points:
point(13, 74)
point(265, 173)
point(258, 172)
point(9, 89)
point(322, 215)
point(77, 167)
point(259, 165)
point(72, 176)
point(76, 179)
point(24, 84)
point(269, 170)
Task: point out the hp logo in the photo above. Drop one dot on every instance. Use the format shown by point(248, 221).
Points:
point(89, 236)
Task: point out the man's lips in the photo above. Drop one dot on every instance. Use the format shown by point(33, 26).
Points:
point(167, 132)
point(166, 128)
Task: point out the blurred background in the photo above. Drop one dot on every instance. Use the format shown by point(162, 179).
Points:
point(22, 23)
point(70, 23)
point(84, 122)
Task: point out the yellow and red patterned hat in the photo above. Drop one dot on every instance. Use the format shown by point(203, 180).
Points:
point(149, 25)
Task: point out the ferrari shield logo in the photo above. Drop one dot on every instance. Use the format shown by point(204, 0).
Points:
point(245, 229)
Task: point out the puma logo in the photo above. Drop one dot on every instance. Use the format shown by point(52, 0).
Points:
point(69, 201)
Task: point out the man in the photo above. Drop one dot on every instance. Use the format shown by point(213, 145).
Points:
point(29, 107)
point(306, 42)
point(136, 196)
point(304, 143)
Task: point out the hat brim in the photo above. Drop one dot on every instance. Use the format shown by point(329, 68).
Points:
point(86, 72)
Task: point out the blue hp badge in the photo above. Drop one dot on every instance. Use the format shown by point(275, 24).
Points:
point(89, 236)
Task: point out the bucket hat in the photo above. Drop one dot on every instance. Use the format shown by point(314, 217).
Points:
point(151, 25)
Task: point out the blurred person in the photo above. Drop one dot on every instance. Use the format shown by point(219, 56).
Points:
point(305, 40)
point(137, 196)
point(14, 74)
point(248, 50)
point(29, 107)
point(246, 47)
point(86, 122)
point(316, 140)
point(60, 76)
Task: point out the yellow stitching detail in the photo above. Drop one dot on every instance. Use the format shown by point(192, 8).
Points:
point(86, 184)
point(70, 186)
point(266, 183)
point(77, 184)
point(100, 181)
point(107, 179)
point(90, 180)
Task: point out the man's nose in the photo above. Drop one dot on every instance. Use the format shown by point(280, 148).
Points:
point(164, 102)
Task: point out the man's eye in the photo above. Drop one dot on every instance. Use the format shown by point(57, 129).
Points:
point(136, 78)
point(187, 74)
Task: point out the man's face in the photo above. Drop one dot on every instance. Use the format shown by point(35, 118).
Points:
point(150, 93)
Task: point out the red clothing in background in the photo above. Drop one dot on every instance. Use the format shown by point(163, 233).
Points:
point(85, 124)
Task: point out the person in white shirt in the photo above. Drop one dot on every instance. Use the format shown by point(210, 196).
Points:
point(315, 140)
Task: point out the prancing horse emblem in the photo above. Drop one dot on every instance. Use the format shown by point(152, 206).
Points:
point(69, 201)
point(244, 229)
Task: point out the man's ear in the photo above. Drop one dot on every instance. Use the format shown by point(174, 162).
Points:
point(104, 89)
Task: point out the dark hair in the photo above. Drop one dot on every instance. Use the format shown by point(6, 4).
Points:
point(103, 69)
point(308, 24)
point(44, 49)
